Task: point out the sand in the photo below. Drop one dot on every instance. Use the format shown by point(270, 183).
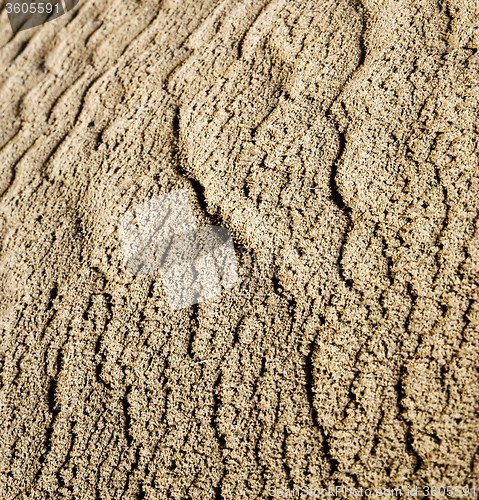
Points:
point(336, 141)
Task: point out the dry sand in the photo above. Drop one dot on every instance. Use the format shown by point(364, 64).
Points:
point(338, 138)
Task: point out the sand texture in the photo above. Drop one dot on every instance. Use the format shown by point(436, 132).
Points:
point(337, 141)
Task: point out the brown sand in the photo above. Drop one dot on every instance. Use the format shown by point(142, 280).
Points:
point(337, 137)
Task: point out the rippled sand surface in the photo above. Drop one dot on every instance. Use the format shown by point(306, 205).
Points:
point(337, 142)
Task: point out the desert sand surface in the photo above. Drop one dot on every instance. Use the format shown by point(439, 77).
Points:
point(337, 142)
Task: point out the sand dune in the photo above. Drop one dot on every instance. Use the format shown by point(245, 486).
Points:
point(336, 142)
